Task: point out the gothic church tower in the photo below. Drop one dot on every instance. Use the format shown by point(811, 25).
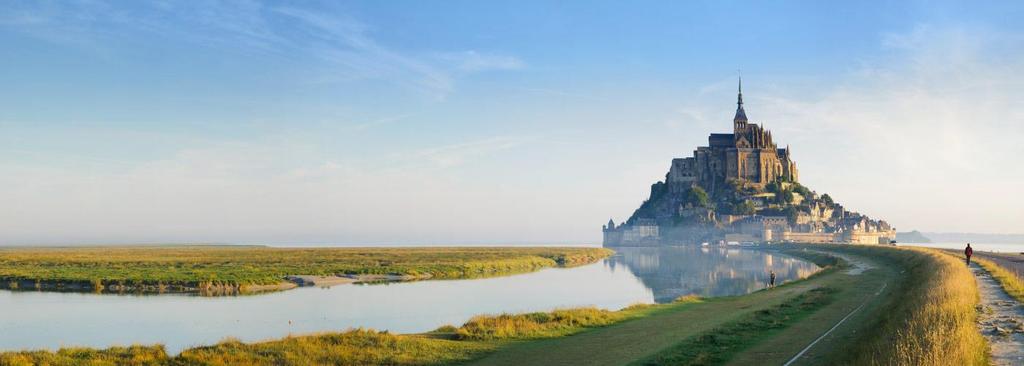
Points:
point(739, 123)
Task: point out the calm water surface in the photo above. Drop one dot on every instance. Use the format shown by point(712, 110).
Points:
point(51, 320)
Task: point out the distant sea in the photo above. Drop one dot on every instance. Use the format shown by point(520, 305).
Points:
point(988, 247)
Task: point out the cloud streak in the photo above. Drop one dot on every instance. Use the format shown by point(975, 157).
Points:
point(343, 46)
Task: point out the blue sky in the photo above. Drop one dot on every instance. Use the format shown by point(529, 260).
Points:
point(485, 122)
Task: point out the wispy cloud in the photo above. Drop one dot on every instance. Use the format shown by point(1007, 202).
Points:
point(344, 42)
point(473, 61)
point(458, 154)
point(343, 45)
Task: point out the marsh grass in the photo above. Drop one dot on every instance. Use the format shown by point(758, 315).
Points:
point(1012, 284)
point(540, 324)
point(134, 355)
point(95, 268)
point(446, 345)
point(356, 347)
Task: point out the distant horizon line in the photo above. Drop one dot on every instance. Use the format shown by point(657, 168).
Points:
point(961, 235)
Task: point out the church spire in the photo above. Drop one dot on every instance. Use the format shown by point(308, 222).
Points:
point(741, 115)
point(740, 90)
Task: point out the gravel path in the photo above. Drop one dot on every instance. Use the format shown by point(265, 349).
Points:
point(1001, 320)
point(1014, 262)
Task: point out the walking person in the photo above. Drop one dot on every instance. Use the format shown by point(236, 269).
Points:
point(771, 279)
point(968, 252)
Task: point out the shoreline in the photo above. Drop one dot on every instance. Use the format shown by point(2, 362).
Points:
point(455, 336)
point(232, 271)
point(208, 289)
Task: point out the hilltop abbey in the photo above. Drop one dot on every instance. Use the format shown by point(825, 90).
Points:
point(748, 154)
point(741, 188)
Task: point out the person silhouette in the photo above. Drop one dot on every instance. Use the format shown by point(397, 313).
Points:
point(771, 279)
point(968, 252)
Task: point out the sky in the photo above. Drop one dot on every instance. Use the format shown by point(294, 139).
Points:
point(487, 122)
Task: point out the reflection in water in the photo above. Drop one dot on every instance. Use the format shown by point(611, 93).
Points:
point(671, 272)
point(634, 275)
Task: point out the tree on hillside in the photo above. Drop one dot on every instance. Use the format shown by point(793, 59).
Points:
point(697, 197)
point(791, 214)
point(784, 197)
point(744, 208)
point(827, 200)
point(803, 191)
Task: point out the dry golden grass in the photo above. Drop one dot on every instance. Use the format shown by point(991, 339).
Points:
point(134, 355)
point(446, 345)
point(1010, 282)
point(356, 347)
point(932, 321)
point(687, 299)
point(538, 325)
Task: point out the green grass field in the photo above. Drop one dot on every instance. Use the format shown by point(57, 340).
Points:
point(908, 307)
point(718, 345)
point(194, 266)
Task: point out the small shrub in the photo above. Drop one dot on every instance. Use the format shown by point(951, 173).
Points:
point(535, 325)
point(687, 299)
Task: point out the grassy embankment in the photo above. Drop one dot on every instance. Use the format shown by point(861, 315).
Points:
point(929, 320)
point(925, 316)
point(195, 268)
point(1007, 279)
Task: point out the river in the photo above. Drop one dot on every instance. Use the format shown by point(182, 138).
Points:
point(49, 320)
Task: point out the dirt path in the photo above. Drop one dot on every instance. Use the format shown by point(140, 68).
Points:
point(1001, 320)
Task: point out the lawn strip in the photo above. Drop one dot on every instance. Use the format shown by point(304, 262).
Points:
point(718, 345)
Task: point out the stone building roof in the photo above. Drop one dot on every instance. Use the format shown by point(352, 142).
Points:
point(721, 139)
